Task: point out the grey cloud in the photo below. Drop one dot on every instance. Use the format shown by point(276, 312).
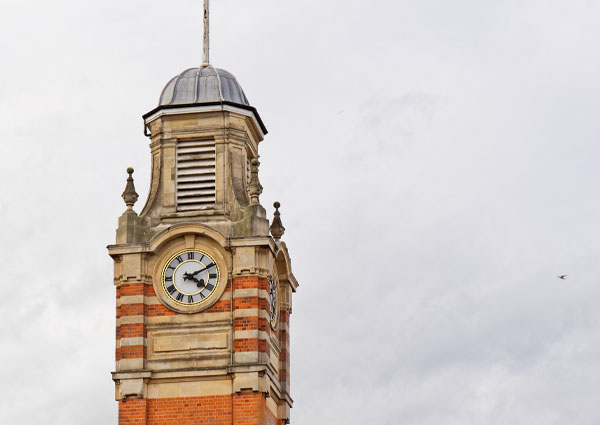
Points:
point(427, 222)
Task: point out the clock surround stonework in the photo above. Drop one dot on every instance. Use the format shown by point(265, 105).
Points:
point(225, 361)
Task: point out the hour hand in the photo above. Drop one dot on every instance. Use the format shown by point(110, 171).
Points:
point(190, 276)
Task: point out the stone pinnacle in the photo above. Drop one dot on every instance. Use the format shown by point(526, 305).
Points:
point(277, 228)
point(129, 195)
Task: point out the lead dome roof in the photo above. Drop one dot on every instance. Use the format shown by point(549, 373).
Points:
point(201, 85)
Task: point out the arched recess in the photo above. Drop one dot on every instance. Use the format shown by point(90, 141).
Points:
point(179, 230)
point(287, 281)
point(181, 238)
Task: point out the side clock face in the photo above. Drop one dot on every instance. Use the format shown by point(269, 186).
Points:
point(273, 300)
point(190, 277)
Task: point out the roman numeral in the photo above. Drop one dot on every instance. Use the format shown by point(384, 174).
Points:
point(210, 286)
point(201, 295)
point(201, 257)
point(212, 276)
point(179, 259)
point(179, 297)
point(190, 255)
point(169, 278)
point(190, 299)
point(171, 289)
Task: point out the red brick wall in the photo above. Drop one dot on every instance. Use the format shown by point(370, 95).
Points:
point(250, 282)
point(248, 409)
point(243, 409)
point(130, 330)
point(250, 323)
point(127, 289)
point(132, 412)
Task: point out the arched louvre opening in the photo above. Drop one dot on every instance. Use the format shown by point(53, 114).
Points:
point(196, 178)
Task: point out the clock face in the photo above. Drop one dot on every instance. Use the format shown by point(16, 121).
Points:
point(190, 277)
point(273, 300)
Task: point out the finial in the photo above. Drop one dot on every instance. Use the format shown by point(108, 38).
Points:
point(277, 228)
point(206, 43)
point(254, 186)
point(129, 195)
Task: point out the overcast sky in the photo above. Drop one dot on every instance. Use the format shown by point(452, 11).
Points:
point(437, 164)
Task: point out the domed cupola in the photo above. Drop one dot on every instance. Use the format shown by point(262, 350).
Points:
point(205, 84)
point(204, 141)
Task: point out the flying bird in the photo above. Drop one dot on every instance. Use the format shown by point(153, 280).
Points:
point(562, 276)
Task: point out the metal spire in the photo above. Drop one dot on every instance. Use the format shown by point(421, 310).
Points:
point(205, 60)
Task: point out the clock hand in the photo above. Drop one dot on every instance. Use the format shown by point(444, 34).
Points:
point(199, 283)
point(188, 276)
point(191, 276)
point(201, 270)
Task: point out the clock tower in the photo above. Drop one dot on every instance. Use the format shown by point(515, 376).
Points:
point(203, 281)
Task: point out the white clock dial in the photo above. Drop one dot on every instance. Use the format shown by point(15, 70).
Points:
point(190, 277)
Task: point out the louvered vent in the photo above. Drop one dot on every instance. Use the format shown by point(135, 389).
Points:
point(195, 175)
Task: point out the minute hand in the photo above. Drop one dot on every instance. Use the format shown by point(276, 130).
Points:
point(191, 275)
point(205, 268)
